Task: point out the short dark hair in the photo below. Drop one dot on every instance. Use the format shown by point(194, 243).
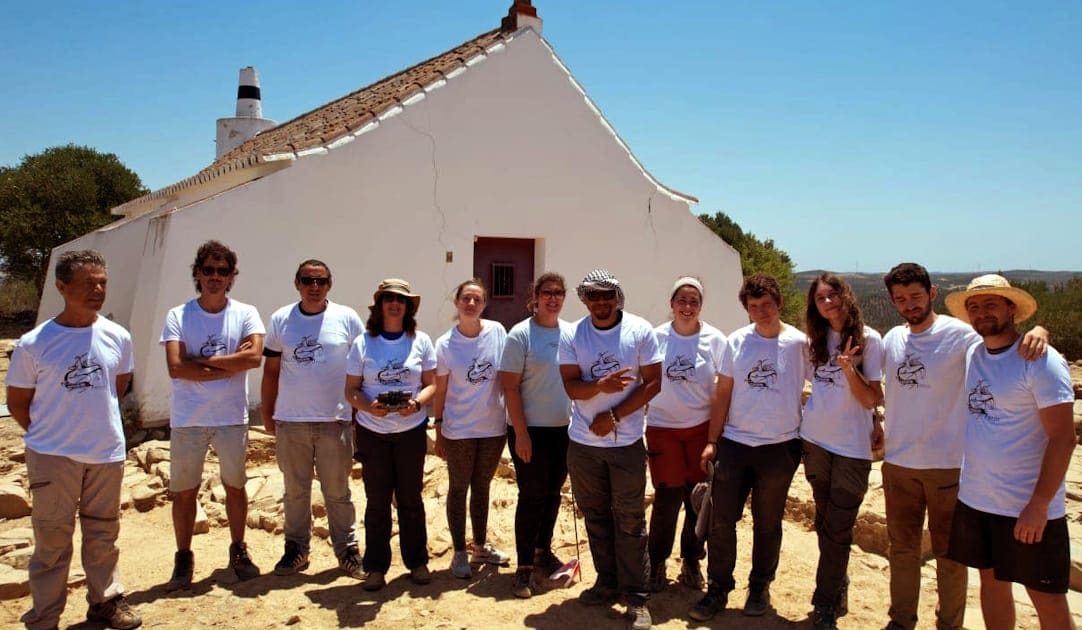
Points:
point(758, 285)
point(69, 262)
point(907, 273)
point(314, 263)
point(212, 249)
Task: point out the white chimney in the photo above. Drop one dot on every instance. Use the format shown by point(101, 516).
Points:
point(249, 120)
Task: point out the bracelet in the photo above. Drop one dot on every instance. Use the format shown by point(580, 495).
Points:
point(612, 414)
point(436, 421)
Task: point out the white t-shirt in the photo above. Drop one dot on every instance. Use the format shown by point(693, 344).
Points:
point(688, 376)
point(222, 402)
point(1005, 440)
point(768, 379)
point(531, 351)
point(630, 344)
point(387, 365)
point(313, 362)
point(833, 418)
point(73, 373)
point(473, 407)
point(923, 377)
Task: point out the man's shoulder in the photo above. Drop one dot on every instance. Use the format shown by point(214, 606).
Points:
point(283, 313)
point(635, 321)
point(241, 307)
point(742, 333)
point(792, 335)
point(110, 327)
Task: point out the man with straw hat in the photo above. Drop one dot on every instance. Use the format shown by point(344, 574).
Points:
point(610, 363)
point(1010, 518)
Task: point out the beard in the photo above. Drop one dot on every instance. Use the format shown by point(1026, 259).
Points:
point(991, 327)
point(919, 317)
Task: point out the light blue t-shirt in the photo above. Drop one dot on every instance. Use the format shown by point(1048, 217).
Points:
point(531, 351)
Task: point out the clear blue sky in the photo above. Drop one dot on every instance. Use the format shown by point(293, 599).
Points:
point(853, 134)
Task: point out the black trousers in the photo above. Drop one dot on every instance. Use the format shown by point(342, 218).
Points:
point(539, 484)
point(393, 467)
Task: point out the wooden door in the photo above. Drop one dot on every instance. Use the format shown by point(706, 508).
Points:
point(506, 266)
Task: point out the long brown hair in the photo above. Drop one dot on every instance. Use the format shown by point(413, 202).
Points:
point(817, 326)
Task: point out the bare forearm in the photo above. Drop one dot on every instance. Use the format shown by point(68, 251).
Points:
point(642, 394)
point(1054, 465)
point(513, 399)
point(866, 393)
point(232, 363)
point(578, 389)
point(189, 369)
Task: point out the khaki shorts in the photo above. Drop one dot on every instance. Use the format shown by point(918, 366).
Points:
point(188, 449)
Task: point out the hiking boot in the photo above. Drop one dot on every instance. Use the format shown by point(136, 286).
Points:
point(421, 575)
point(546, 562)
point(488, 553)
point(758, 601)
point(521, 586)
point(658, 578)
point(824, 618)
point(373, 581)
point(114, 613)
point(183, 567)
point(711, 604)
point(293, 560)
point(241, 564)
point(691, 575)
point(639, 614)
point(351, 564)
point(460, 565)
point(598, 594)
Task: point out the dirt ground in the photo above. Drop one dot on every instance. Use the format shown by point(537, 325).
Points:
point(323, 597)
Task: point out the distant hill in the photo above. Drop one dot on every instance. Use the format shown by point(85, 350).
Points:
point(880, 314)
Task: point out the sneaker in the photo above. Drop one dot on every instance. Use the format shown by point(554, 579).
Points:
point(373, 581)
point(691, 575)
point(758, 601)
point(658, 578)
point(521, 586)
point(351, 564)
point(241, 564)
point(824, 618)
point(460, 565)
point(183, 567)
point(420, 575)
point(598, 594)
point(639, 614)
point(711, 604)
point(114, 613)
point(490, 554)
point(546, 562)
point(293, 560)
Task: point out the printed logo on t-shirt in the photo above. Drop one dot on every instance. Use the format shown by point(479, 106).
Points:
point(981, 401)
point(682, 369)
point(480, 371)
point(85, 373)
point(214, 344)
point(763, 376)
point(829, 372)
point(606, 363)
point(910, 371)
point(393, 373)
point(309, 350)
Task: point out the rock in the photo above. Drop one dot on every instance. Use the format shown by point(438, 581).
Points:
point(144, 498)
point(76, 578)
point(295, 619)
point(253, 486)
point(157, 454)
point(202, 523)
point(356, 470)
point(125, 499)
point(19, 559)
point(268, 522)
point(14, 583)
point(321, 531)
point(138, 436)
point(319, 508)
point(253, 520)
point(1076, 565)
point(217, 491)
point(215, 512)
point(155, 482)
point(505, 470)
point(13, 501)
point(161, 469)
point(16, 539)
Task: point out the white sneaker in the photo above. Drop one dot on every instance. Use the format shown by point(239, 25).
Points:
point(490, 554)
point(460, 565)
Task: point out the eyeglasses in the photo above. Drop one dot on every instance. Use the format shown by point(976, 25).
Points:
point(309, 281)
point(558, 293)
point(393, 297)
point(597, 296)
point(209, 270)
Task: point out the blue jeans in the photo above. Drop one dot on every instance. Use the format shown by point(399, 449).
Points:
point(765, 472)
point(324, 448)
point(610, 489)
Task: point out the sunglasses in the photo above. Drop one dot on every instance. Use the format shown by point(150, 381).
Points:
point(553, 292)
point(597, 296)
point(309, 281)
point(394, 297)
point(221, 271)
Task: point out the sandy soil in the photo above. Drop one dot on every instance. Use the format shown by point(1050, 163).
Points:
point(323, 597)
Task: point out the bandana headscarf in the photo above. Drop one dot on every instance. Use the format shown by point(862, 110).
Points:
point(600, 280)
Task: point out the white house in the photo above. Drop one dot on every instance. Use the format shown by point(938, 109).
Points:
point(487, 160)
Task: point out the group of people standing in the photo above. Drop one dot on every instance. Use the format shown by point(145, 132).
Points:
point(978, 433)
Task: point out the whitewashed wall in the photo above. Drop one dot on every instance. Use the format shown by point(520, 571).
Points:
point(510, 148)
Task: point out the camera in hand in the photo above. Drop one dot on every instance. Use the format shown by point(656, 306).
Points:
point(395, 399)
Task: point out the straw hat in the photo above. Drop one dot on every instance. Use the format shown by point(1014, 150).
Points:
point(992, 284)
point(398, 287)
